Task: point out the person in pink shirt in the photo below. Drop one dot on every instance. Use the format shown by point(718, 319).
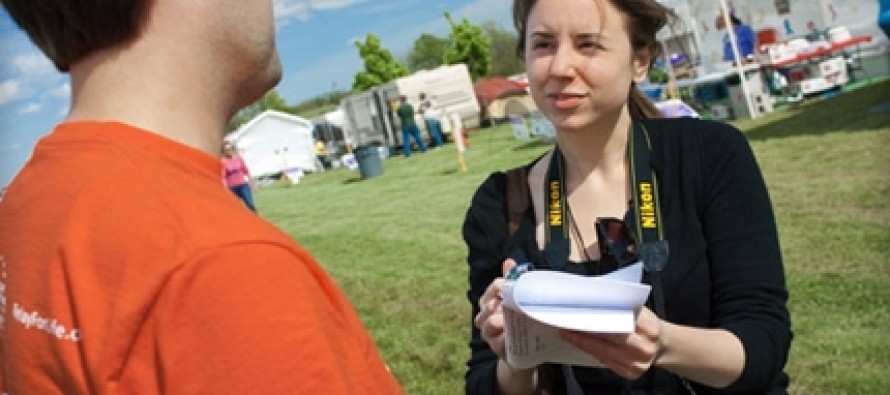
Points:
point(235, 175)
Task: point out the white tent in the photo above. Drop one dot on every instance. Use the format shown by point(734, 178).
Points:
point(275, 142)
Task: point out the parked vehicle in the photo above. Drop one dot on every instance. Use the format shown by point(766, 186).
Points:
point(370, 115)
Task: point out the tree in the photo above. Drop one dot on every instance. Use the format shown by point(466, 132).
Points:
point(380, 66)
point(428, 53)
point(469, 45)
point(504, 60)
point(270, 101)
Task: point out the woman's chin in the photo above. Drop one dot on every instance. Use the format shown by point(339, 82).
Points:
point(569, 124)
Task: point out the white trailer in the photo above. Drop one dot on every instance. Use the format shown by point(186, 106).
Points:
point(371, 118)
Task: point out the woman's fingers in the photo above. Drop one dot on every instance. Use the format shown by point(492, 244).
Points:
point(628, 355)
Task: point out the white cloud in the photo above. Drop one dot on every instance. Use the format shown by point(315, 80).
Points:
point(62, 91)
point(33, 64)
point(287, 10)
point(30, 75)
point(30, 108)
point(391, 6)
point(333, 4)
point(9, 91)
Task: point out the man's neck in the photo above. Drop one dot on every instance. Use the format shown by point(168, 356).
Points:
point(169, 98)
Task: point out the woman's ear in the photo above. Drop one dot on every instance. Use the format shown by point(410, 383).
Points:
point(641, 64)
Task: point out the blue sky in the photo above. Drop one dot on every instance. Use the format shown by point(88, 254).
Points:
point(314, 38)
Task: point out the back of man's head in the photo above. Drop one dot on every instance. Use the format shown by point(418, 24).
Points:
point(69, 30)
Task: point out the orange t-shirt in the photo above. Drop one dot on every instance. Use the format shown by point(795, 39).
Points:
point(127, 268)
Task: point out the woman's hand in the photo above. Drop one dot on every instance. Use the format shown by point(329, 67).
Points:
point(629, 355)
point(490, 319)
point(490, 322)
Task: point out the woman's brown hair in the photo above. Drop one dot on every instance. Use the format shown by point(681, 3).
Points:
point(642, 20)
point(68, 30)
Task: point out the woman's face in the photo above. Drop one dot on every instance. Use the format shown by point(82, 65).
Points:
point(580, 61)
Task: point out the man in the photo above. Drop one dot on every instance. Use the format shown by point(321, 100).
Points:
point(884, 16)
point(431, 120)
point(745, 38)
point(409, 127)
point(126, 266)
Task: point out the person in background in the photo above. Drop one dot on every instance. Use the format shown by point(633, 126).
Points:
point(744, 36)
point(236, 176)
point(321, 154)
point(409, 127)
point(142, 275)
point(431, 120)
point(689, 191)
point(884, 17)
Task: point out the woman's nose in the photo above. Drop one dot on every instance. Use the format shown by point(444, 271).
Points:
point(563, 62)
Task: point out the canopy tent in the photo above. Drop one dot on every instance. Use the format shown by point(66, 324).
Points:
point(275, 142)
point(697, 37)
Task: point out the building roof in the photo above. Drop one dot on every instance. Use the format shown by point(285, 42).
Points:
point(490, 89)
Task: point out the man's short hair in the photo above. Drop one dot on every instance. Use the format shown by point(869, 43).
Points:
point(69, 30)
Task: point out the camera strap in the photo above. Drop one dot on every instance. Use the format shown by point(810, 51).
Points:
point(653, 248)
point(645, 210)
point(557, 244)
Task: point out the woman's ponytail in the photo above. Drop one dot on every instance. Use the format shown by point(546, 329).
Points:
point(640, 106)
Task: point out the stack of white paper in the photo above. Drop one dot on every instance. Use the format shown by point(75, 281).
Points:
point(539, 303)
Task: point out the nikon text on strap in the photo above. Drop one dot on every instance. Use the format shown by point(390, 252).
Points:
point(654, 248)
point(557, 244)
point(650, 231)
point(647, 215)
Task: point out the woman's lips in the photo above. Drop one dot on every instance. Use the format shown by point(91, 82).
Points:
point(565, 100)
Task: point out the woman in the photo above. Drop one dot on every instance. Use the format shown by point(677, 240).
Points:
point(235, 175)
point(722, 323)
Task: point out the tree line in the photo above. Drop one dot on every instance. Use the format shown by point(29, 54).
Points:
point(487, 49)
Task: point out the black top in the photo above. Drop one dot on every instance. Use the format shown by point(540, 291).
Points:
point(725, 267)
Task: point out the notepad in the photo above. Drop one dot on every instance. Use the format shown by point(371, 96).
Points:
point(540, 302)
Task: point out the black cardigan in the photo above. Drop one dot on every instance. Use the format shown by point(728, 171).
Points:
point(725, 267)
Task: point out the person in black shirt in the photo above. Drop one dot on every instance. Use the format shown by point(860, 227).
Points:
point(723, 326)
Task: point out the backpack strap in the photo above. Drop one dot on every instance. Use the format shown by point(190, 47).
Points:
point(517, 197)
point(551, 377)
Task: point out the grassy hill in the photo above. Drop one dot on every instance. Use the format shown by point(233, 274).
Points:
point(393, 242)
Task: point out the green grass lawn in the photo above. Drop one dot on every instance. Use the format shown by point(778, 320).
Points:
point(393, 242)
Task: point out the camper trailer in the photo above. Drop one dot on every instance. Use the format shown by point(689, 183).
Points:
point(370, 115)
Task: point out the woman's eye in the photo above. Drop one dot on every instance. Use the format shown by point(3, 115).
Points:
point(541, 45)
point(590, 45)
